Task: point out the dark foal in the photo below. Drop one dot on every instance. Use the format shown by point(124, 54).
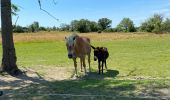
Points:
point(1, 93)
point(100, 53)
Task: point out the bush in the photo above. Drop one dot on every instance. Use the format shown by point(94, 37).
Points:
point(166, 25)
point(104, 23)
point(18, 29)
point(126, 25)
point(110, 30)
point(153, 24)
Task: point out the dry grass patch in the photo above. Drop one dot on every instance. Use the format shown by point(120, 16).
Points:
point(59, 36)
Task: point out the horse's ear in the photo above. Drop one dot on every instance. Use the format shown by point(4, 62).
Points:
point(93, 47)
point(75, 37)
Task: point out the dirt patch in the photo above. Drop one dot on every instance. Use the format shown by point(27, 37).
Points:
point(9, 85)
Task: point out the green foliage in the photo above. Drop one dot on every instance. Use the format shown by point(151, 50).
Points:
point(110, 30)
point(64, 27)
point(14, 9)
point(93, 26)
point(126, 25)
point(31, 28)
point(166, 25)
point(18, 29)
point(153, 24)
point(83, 26)
point(42, 28)
point(34, 27)
point(104, 23)
point(74, 25)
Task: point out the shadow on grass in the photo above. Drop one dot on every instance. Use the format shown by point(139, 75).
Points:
point(90, 87)
point(96, 76)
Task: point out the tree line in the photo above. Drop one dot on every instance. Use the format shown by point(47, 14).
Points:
point(156, 24)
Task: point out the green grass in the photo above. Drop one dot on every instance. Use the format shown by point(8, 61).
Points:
point(144, 57)
point(42, 53)
point(129, 58)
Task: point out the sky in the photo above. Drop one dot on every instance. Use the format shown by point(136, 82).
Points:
point(68, 10)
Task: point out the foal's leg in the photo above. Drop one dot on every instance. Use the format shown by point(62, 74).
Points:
point(102, 66)
point(84, 64)
point(105, 65)
point(81, 64)
point(75, 65)
point(89, 62)
point(99, 66)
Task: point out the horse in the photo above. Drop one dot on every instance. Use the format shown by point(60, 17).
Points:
point(78, 47)
point(100, 54)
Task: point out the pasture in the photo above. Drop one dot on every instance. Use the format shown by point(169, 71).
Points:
point(138, 68)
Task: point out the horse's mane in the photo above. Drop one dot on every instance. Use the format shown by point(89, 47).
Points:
point(74, 35)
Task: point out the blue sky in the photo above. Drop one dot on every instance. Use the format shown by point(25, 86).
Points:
point(68, 10)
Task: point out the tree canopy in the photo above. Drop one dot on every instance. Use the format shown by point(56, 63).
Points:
point(104, 23)
point(126, 25)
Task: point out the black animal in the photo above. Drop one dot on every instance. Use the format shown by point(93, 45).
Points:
point(100, 54)
point(1, 93)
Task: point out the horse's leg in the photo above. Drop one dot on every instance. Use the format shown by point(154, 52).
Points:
point(75, 65)
point(105, 65)
point(84, 64)
point(81, 64)
point(102, 66)
point(89, 62)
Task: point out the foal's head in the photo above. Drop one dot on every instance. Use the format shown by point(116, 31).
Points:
point(100, 53)
point(70, 42)
point(96, 52)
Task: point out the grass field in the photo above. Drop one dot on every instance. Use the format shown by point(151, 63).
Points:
point(139, 67)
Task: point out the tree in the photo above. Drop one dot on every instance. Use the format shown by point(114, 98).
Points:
point(83, 26)
point(9, 55)
point(14, 9)
point(36, 26)
point(153, 24)
point(18, 29)
point(126, 25)
point(74, 25)
point(93, 26)
point(104, 23)
point(166, 25)
point(31, 28)
point(64, 27)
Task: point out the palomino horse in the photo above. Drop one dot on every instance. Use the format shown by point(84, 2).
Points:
point(78, 47)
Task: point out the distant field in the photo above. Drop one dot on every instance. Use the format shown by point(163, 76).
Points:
point(139, 64)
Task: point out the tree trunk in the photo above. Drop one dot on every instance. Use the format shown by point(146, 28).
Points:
point(9, 56)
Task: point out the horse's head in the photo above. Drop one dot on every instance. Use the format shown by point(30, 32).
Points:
point(70, 42)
